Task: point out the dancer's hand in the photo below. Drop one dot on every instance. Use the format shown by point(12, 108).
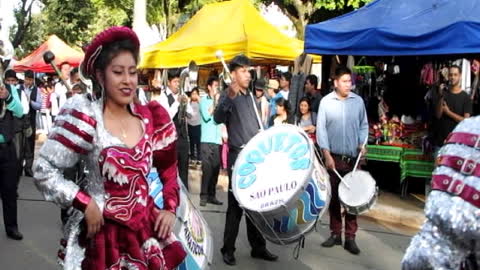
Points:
point(94, 218)
point(164, 223)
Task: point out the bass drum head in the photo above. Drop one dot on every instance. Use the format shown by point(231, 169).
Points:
point(273, 169)
point(362, 188)
point(192, 231)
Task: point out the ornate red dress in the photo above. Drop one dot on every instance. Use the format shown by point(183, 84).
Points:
point(116, 180)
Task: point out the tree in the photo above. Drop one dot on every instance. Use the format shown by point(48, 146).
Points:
point(33, 37)
point(165, 14)
point(23, 16)
point(70, 20)
point(303, 12)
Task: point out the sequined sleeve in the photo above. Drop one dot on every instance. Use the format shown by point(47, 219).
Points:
point(71, 137)
point(164, 155)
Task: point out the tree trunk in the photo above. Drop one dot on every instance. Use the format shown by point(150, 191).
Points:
point(23, 23)
point(166, 12)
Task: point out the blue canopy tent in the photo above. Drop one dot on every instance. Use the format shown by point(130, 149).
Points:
point(400, 27)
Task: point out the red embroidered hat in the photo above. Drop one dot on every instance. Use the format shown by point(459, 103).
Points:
point(93, 50)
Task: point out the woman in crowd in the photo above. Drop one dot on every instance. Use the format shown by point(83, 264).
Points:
point(306, 118)
point(282, 115)
point(114, 224)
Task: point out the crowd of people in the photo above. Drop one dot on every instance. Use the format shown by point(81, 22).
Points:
point(121, 136)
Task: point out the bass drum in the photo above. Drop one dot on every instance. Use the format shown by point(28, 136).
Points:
point(190, 228)
point(280, 183)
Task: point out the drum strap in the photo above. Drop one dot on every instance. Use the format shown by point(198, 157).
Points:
point(456, 187)
point(468, 139)
point(462, 165)
point(300, 244)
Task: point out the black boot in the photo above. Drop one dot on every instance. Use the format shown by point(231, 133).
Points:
point(351, 246)
point(264, 254)
point(14, 234)
point(214, 201)
point(332, 241)
point(228, 258)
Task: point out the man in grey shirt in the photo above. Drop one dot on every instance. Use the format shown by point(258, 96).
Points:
point(236, 108)
point(342, 127)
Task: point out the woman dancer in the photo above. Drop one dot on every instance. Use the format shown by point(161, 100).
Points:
point(114, 224)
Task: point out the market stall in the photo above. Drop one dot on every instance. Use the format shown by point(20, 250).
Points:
point(63, 53)
point(402, 28)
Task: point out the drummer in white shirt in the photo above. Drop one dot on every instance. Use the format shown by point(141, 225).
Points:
point(342, 127)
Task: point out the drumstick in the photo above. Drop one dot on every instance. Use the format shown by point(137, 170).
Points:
point(359, 155)
point(341, 178)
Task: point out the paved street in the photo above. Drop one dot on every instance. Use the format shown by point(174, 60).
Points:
point(382, 246)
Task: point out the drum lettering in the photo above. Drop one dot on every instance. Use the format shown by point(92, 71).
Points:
point(255, 157)
point(258, 195)
point(299, 151)
point(300, 164)
point(272, 203)
point(246, 169)
point(194, 247)
point(293, 141)
point(273, 190)
point(246, 181)
point(278, 141)
point(266, 146)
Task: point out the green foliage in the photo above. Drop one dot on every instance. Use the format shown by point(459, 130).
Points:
point(70, 20)
point(34, 36)
point(107, 16)
point(339, 4)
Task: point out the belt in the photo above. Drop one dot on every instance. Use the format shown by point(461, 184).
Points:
point(344, 158)
point(464, 166)
point(468, 139)
point(457, 188)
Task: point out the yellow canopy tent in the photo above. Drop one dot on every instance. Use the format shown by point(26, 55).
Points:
point(234, 27)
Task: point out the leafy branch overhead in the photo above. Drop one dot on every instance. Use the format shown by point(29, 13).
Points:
point(303, 12)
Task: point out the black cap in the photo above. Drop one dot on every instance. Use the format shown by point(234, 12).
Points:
point(10, 74)
point(260, 84)
point(29, 74)
point(239, 61)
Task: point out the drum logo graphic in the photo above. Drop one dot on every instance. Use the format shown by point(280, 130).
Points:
point(294, 145)
point(309, 206)
point(194, 232)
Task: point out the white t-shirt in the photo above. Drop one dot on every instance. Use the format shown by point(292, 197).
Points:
point(194, 118)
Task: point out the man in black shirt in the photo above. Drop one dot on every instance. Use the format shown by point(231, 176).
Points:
point(451, 105)
point(236, 108)
point(312, 93)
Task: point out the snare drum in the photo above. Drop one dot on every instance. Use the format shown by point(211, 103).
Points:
point(362, 194)
point(190, 228)
point(278, 180)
